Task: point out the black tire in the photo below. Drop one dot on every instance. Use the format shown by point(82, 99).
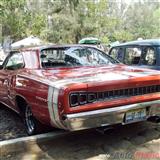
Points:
point(31, 124)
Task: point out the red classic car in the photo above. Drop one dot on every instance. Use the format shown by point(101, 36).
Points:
point(76, 87)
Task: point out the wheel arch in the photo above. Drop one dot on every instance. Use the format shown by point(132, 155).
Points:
point(21, 103)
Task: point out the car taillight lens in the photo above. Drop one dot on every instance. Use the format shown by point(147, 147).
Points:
point(74, 99)
point(82, 98)
point(92, 97)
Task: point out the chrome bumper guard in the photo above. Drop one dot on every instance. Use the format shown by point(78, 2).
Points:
point(108, 116)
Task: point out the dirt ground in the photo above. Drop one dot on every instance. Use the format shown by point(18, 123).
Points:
point(135, 141)
point(11, 125)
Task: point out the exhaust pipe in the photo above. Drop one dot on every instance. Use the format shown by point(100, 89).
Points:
point(103, 130)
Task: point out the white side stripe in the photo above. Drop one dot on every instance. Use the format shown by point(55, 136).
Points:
point(53, 107)
point(50, 109)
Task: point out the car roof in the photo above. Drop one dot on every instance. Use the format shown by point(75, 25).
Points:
point(41, 47)
point(147, 42)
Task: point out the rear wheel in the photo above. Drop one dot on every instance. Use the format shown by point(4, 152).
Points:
point(31, 124)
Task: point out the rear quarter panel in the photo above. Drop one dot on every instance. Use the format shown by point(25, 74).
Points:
point(35, 94)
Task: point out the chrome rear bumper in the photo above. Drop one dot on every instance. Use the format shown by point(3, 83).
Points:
point(108, 116)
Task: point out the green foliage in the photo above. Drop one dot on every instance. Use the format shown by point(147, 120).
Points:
point(143, 20)
point(36, 24)
point(17, 21)
point(67, 21)
point(12, 17)
point(122, 35)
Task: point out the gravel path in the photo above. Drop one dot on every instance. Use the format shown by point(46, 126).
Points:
point(134, 142)
point(11, 125)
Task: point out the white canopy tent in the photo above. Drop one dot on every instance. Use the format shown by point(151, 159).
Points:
point(27, 42)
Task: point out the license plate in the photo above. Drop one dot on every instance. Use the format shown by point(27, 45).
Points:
point(135, 115)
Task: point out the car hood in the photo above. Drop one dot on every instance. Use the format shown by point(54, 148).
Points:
point(76, 75)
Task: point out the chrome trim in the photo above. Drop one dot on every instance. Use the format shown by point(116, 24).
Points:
point(108, 116)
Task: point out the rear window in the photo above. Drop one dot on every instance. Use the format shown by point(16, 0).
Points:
point(74, 56)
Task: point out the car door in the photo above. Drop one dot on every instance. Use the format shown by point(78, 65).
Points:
point(13, 64)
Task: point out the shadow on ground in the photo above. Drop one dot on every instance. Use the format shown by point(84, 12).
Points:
point(11, 125)
point(123, 142)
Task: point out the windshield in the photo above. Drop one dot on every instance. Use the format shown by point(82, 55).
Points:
point(74, 56)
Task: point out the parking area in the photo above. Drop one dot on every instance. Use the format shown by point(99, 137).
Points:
point(135, 141)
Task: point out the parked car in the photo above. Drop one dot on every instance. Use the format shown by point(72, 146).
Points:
point(95, 42)
point(141, 53)
point(76, 87)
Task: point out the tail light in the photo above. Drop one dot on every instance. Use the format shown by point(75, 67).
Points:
point(92, 97)
point(82, 98)
point(74, 99)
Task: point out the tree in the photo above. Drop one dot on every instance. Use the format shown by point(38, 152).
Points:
point(67, 21)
